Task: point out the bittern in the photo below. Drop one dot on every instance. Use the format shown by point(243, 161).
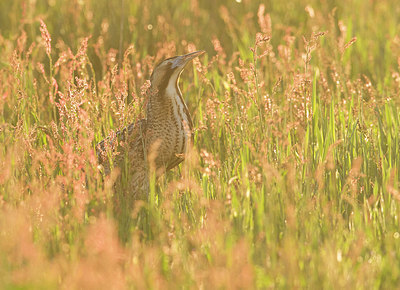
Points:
point(161, 139)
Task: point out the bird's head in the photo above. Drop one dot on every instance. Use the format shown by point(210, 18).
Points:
point(168, 71)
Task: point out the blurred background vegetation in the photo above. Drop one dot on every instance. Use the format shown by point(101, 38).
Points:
point(146, 24)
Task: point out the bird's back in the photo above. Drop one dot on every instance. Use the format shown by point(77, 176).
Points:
point(126, 149)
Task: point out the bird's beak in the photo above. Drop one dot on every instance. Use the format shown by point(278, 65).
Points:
point(182, 60)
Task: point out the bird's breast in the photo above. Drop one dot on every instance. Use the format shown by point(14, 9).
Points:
point(169, 133)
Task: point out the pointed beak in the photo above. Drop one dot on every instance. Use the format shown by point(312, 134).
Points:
point(182, 60)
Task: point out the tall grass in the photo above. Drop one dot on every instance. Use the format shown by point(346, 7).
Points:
point(293, 181)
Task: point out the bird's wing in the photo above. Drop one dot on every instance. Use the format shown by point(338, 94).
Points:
point(175, 162)
point(128, 142)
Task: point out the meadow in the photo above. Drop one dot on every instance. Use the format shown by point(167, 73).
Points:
point(293, 180)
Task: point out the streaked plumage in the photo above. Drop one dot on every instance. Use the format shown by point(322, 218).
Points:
point(159, 141)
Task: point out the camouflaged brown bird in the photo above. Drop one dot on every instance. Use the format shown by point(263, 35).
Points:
point(161, 139)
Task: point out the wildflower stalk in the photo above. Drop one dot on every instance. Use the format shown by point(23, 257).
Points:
point(259, 40)
point(47, 42)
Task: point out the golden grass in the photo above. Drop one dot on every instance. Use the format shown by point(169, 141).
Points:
point(293, 181)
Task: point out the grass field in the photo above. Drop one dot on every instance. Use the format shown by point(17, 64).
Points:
point(293, 181)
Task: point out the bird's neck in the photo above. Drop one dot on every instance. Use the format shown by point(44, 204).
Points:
point(167, 104)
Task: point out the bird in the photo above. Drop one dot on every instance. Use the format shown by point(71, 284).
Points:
point(158, 142)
